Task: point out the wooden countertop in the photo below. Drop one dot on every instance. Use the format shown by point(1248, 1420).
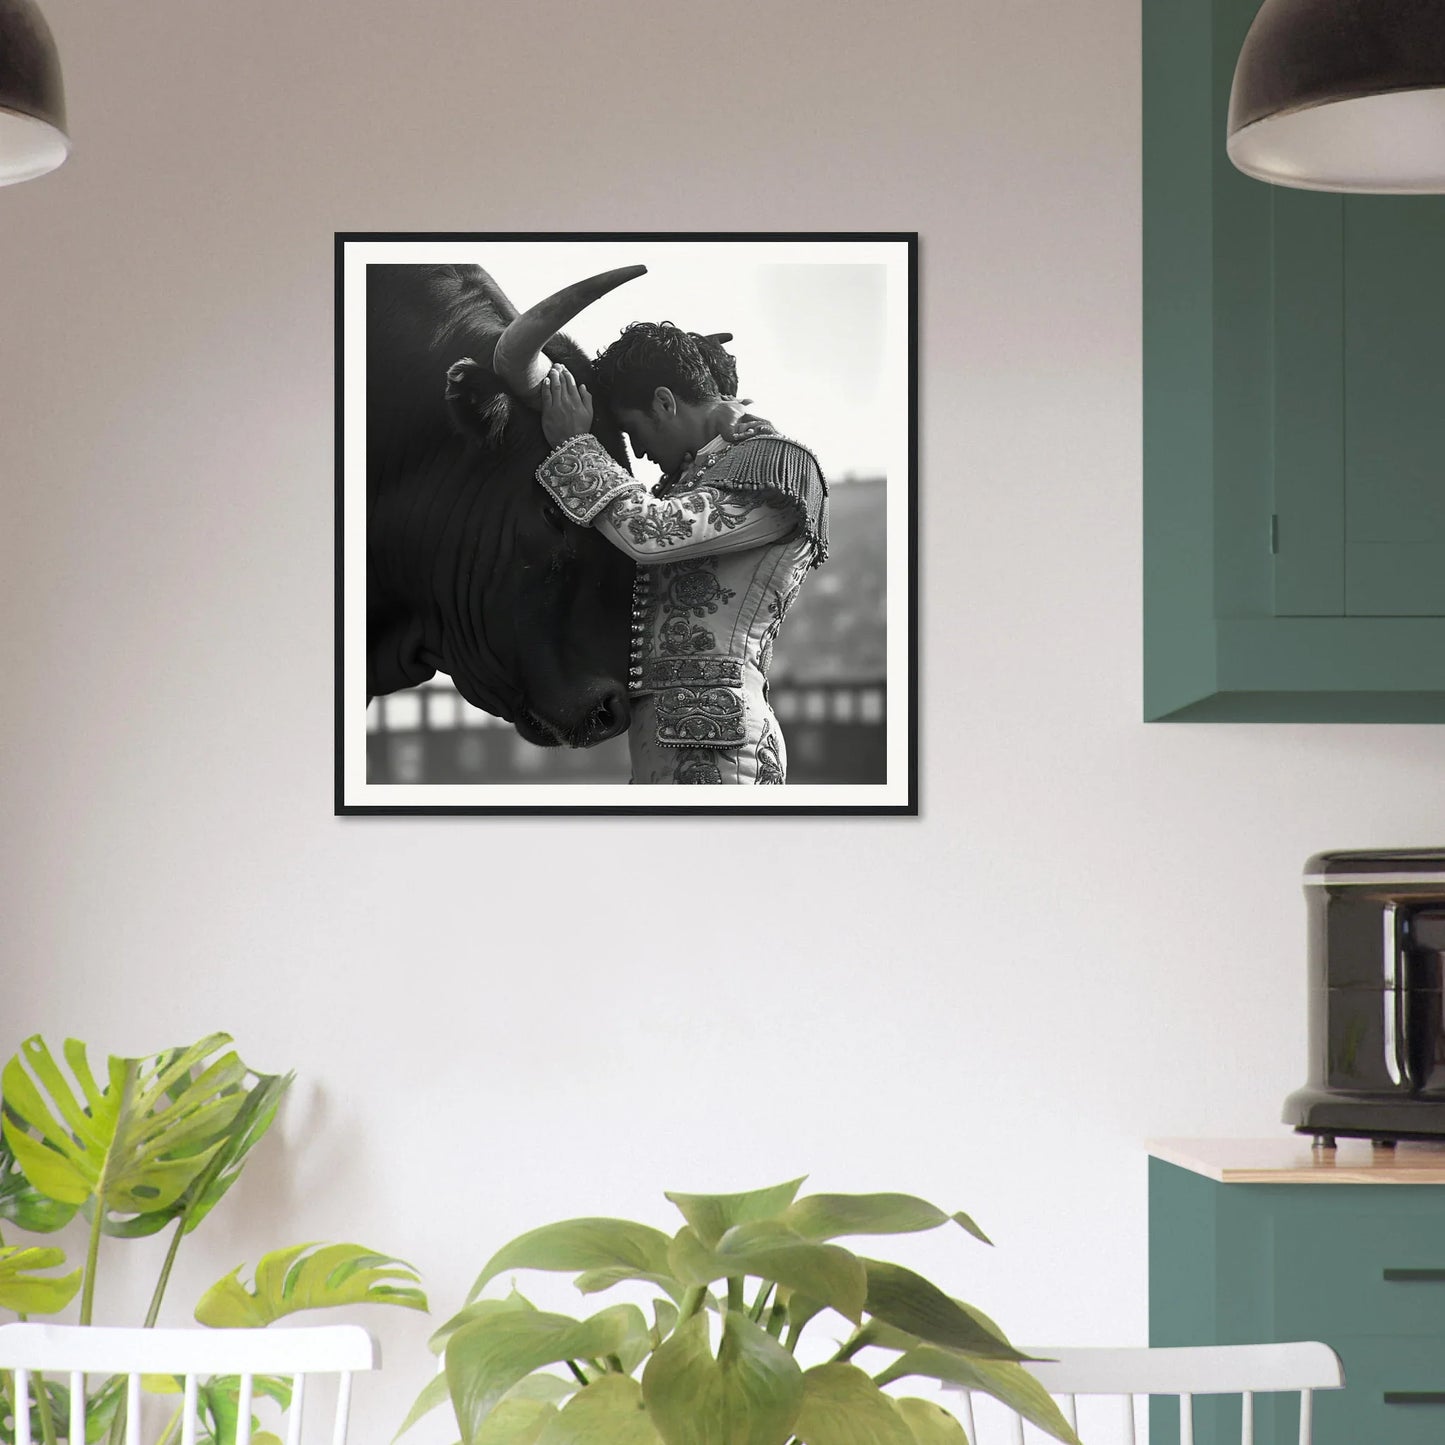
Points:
point(1291, 1159)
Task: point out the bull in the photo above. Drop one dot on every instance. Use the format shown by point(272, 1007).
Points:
point(471, 570)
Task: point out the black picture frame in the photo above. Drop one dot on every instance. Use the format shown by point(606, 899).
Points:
point(896, 795)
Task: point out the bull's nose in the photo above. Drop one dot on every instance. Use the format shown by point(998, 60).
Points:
point(609, 717)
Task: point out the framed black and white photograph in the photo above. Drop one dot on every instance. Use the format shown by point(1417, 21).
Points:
point(618, 513)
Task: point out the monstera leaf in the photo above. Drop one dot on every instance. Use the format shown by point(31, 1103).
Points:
point(253, 1118)
point(101, 1406)
point(750, 1394)
point(131, 1147)
point(28, 1292)
point(292, 1279)
point(218, 1404)
point(22, 1204)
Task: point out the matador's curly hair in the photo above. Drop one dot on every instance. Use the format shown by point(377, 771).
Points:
point(722, 364)
point(650, 354)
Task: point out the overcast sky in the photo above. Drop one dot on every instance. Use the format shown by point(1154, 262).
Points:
point(812, 337)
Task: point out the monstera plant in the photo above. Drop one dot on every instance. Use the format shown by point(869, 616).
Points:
point(751, 1272)
point(151, 1144)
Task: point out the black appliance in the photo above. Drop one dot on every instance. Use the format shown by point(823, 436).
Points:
point(1376, 997)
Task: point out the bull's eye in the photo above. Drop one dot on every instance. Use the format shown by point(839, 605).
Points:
point(553, 515)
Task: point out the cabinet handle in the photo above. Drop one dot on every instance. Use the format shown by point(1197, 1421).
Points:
point(1415, 1397)
point(1409, 1276)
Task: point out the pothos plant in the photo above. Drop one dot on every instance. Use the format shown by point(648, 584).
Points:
point(764, 1264)
point(152, 1144)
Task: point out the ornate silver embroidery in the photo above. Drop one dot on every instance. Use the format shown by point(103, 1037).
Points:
point(692, 588)
point(696, 768)
point(770, 763)
point(582, 479)
point(677, 637)
point(709, 717)
point(695, 671)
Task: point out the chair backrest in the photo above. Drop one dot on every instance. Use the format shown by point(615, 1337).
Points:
point(1138, 1373)
point(197, 1357)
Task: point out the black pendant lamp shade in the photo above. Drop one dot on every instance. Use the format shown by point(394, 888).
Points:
point(32, 99)
point(1342, 95)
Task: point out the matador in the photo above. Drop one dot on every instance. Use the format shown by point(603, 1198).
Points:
point(722, 546)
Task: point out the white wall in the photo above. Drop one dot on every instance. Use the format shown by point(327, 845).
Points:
point(1093, 936)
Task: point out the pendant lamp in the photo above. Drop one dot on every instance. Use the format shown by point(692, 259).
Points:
point(1342, 95)
point(32, 99)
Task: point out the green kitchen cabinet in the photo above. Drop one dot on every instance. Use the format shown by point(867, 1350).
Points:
point(1294, 420)
point(1359, 1265)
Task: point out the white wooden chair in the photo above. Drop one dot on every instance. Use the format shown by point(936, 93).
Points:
point(1244, 1370)
point(75, 1351)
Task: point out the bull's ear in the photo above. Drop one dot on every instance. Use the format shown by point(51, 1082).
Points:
point(394, 657)
point(478, 407)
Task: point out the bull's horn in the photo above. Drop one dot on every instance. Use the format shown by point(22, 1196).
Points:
point(721, 337)
point(518, 359)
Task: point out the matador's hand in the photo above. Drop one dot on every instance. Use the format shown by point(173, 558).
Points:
point(566, 407)
point(738, 424)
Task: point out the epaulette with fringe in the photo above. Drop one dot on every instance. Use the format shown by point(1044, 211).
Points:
point(781, 468)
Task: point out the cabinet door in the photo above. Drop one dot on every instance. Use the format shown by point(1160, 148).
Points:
point(1394, 253)
point(1359, 414)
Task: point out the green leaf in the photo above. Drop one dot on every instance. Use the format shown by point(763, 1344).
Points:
point(712, 1215)
point(542, 1386)
point(690, 1260)
point(254, 1117)
point(610, 1411)
point(594, 1281)
point(749, 1395)
point(1002, 1379)
point(433, 1394)
point(488, 1355)
point(99, 1409)
point(769, 1250)
point(515, 1422)
point(665, 1317)
point(842, 1406)
point(478, 1310)
point(930, 1424)
point(288, 1280)
point(635, 1351)
point(22, 1204)
point(801, 1310)
point(829, 1216)
point(27, 1292)
point(580, 1244)
point(538, 1389)
point(909, 1302)
point(963, 1220)
point(131, 1147)
point(887, 1337)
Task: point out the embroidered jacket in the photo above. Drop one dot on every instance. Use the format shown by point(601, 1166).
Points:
point(722, 553)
